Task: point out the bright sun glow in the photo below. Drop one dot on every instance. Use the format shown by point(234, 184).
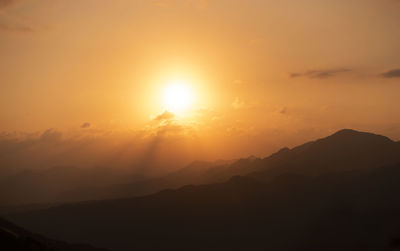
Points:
point(177, 97)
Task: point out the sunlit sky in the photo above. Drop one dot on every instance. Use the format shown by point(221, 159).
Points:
point(258, 75)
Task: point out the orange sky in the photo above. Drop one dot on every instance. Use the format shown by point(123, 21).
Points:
point(265, 73)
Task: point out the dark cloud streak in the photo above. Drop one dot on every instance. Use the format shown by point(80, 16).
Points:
point(6, 3)
point(15, 28)
point(320, 74)
point(7, 24)
point(394, 73)
point(85, 125)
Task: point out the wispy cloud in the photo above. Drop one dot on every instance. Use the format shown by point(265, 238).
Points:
point(7, 3)
point(8, 24)
point(165, 116)
point(284, 110)
point(241, 104)
point(85, 125)
point(320, 74)
point(394, 73)
point(238, 103)
point(15, 28)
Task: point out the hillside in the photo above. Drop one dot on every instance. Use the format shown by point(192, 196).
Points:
point(343, 198)
point(13, 238)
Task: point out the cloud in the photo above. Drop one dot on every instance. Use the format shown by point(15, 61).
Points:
point(85, 125)
point(15, 28)
point(51, 135)
point(165, 125)
point(395, 73)
point(6, 3)
point(7, 24)
point(244, 104)
point(87, 148)
point(171, 130)
point(165, 116)
point(237, 103)
point(320, 74)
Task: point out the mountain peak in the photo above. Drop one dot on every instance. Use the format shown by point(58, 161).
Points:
point(350, 134)
point(347, 131)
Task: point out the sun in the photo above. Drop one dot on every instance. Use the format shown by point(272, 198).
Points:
point(178, 97)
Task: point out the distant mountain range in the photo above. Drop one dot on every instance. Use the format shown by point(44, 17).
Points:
point(33, 186)
point(336, 193)
point(343, 151)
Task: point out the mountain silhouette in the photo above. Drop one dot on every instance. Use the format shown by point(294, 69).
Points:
point(345, 150)
point(342, 151)
point(13, 238)
point(196, 173)
point(336, 193)
point(33, 186)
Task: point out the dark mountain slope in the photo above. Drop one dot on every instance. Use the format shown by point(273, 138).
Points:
point(343, 151)
point(49, 185)
point(196, 173)
point(346, 198)
point(13, 238)
point(357, 211)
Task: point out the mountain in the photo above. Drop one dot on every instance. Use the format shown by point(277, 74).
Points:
point(196, 173)
point(62, 184)
point(13, 238)
point(345, 150)
point(336, 193)
point(342, 151)
point(49, 185)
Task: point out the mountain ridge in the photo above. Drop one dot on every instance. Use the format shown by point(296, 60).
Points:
point(288, 199)
point(14, 238)
point(341, 151)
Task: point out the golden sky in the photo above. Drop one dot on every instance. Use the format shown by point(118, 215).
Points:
point(262, 74)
